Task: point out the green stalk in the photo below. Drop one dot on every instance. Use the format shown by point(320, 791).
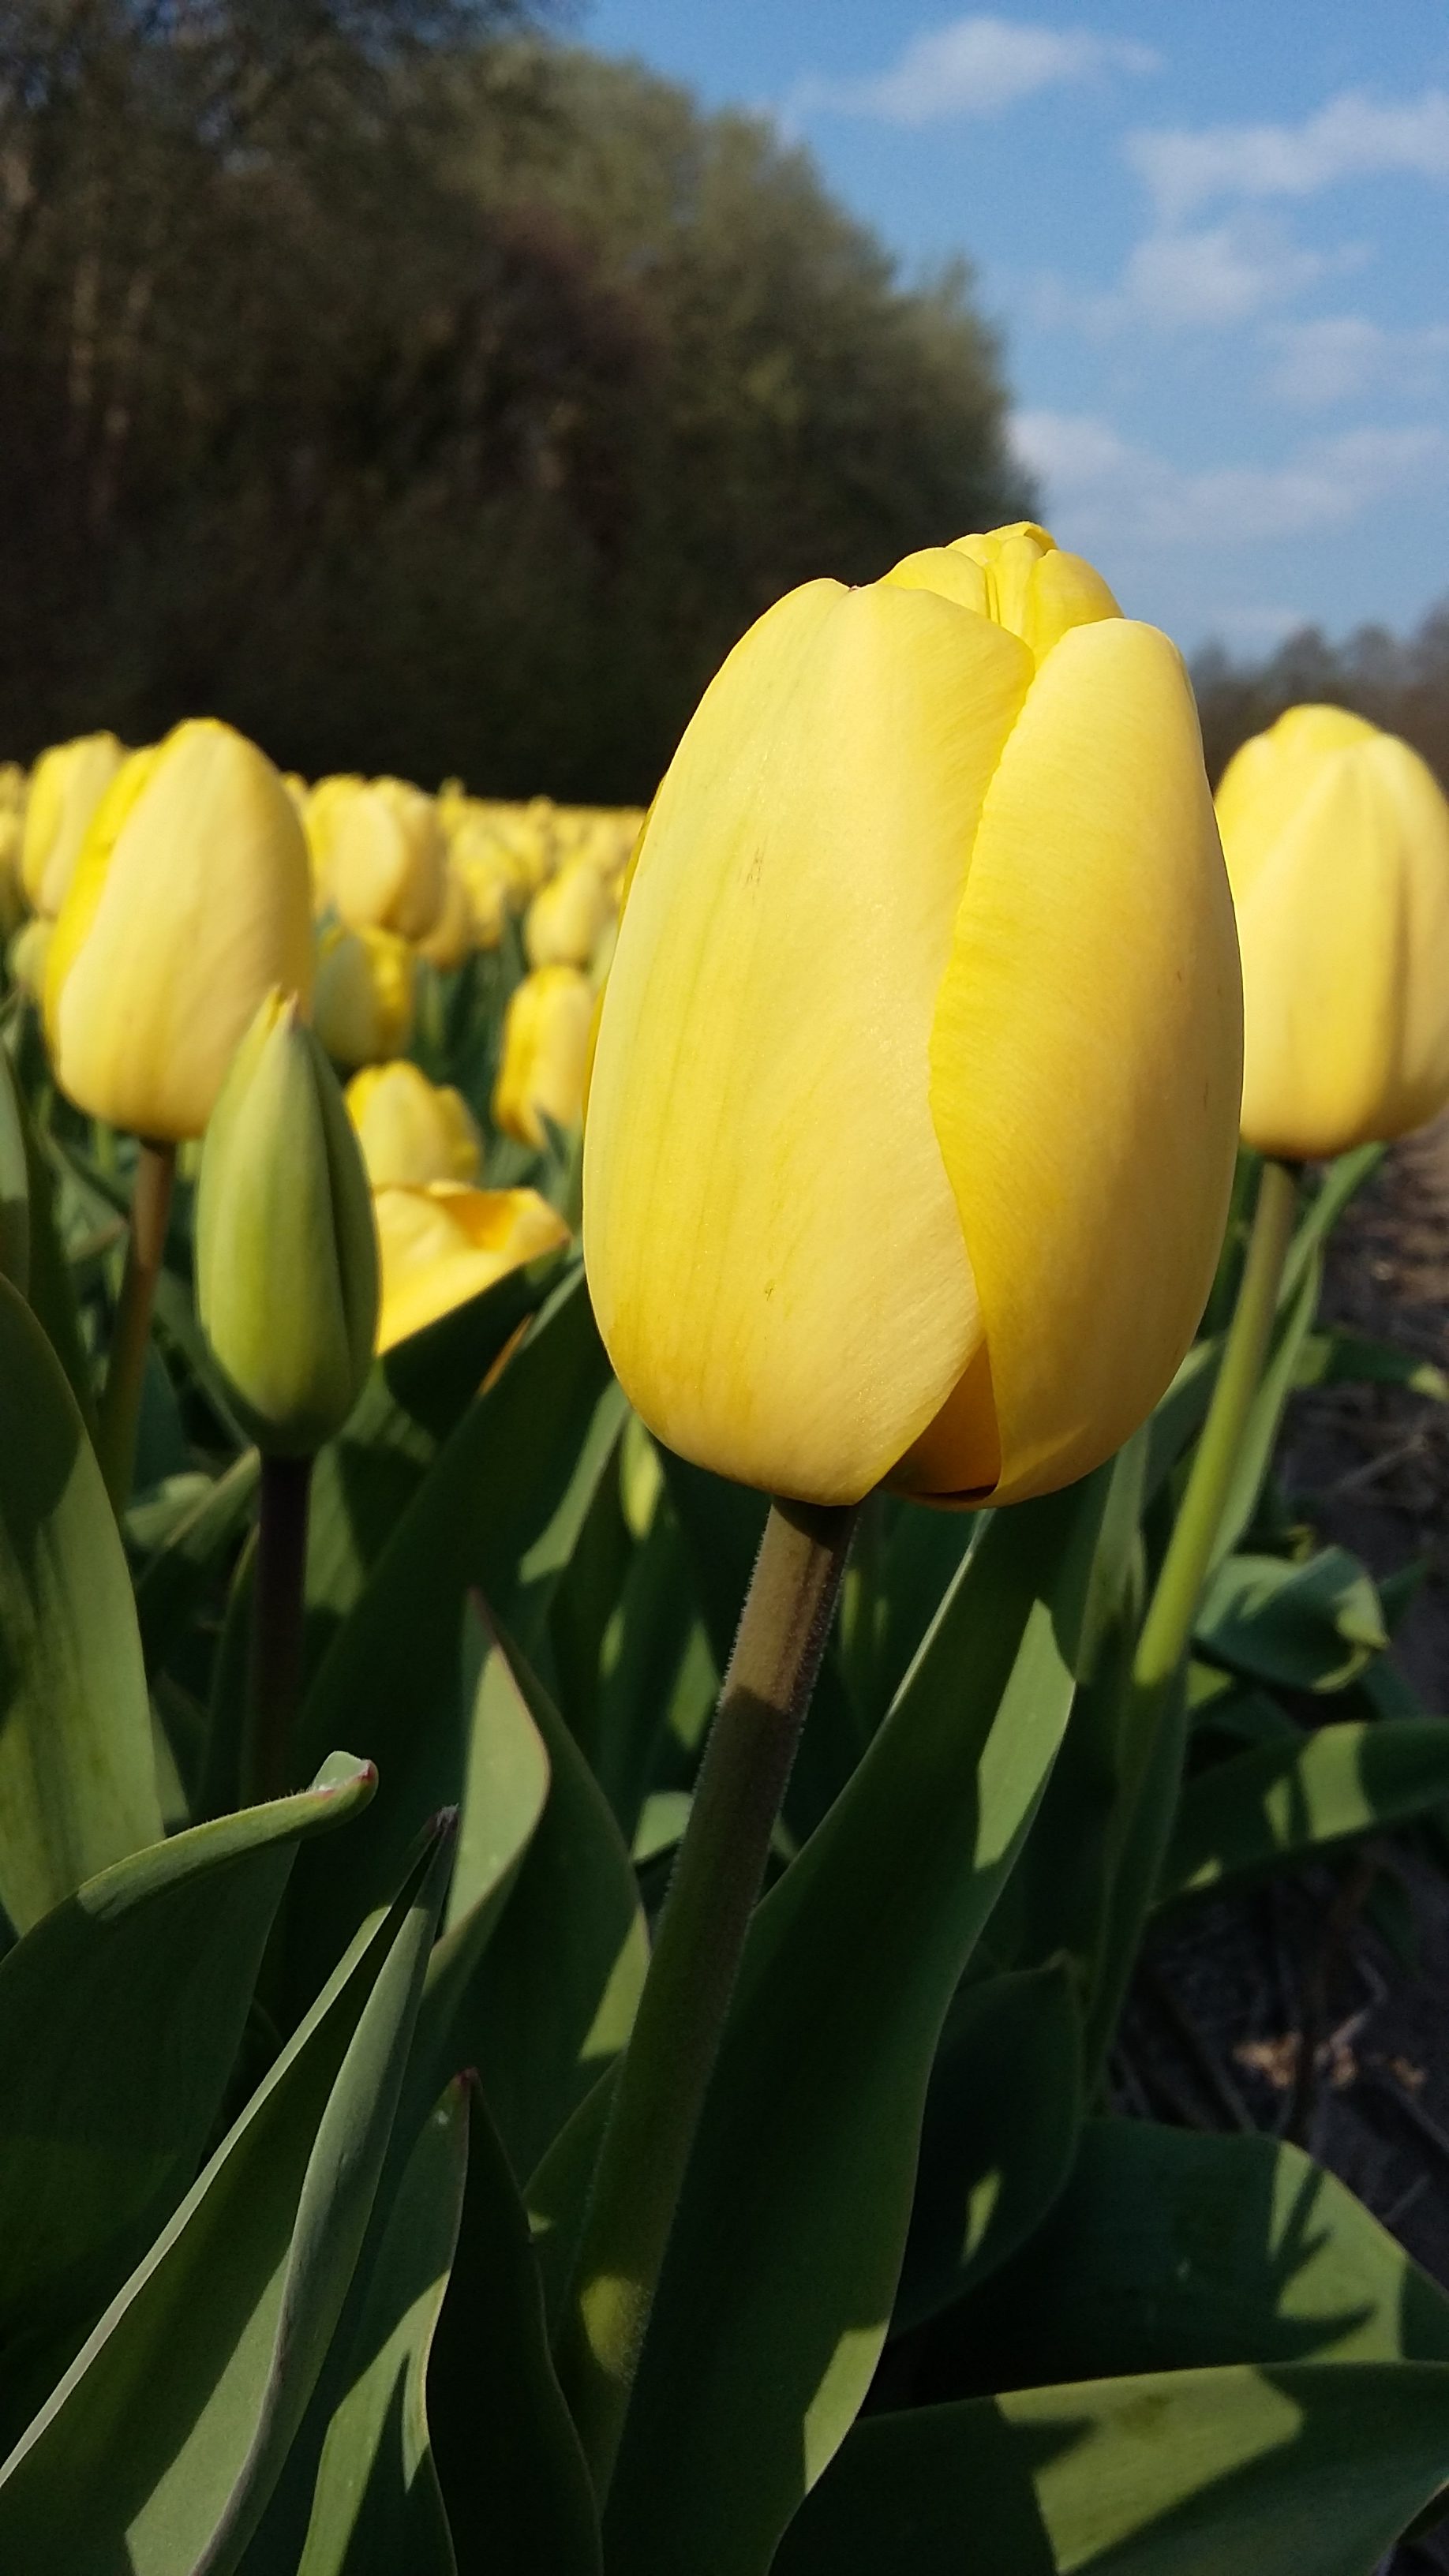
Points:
point(278, 1597)
point(120, 1409)
point(665, 2071)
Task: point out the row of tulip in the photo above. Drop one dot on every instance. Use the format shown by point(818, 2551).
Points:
point(919, 1032)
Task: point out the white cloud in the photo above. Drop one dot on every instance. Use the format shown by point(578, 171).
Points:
point(1112, 497)
point(1353, 136)
point(1222, 274)
point(1344, 354)
point(976, 66)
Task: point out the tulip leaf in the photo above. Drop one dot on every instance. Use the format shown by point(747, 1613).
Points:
point(782, 2269)
point(1340, 1183)
point(1265, 1416)
point(176, 1576)
point(517, 2491)
point(1170, 2250)
point(161, 2445)
point(77, 1771)
point(498, 1511)
point(1003, 2113)
point(553, 1995)
point(14, 1181)
point(1187, 2473)
point(649, 1728)
point(120, 2018)
point(50, 1286)
point(377, 2508)
point(1308, 1627)
point(1337, 1358)
point(1280, 1802)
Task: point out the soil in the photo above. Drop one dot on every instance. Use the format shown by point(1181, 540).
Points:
point(1315, 2007)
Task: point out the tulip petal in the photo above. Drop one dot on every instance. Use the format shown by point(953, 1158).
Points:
point(1267, 779)
point(1085, 1059)
point(772, 1243)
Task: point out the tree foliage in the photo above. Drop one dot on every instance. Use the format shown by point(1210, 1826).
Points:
point(420, 395)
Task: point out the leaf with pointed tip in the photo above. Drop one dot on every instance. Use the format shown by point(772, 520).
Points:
point(77, 1772)
point(177, 1574)
point(1268, 1808)
point(161, 2445)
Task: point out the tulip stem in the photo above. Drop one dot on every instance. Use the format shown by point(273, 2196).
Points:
point(120, 1407)
point(665, 2071)
point(278, 1600)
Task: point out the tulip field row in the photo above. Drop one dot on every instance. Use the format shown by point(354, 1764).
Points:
point(641, 1545)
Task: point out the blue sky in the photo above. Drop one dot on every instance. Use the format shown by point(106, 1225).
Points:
point(1217, 241)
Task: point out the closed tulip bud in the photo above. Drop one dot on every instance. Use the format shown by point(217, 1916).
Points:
point(189, 902)
point(286, 1256)
point(1337, 843)
point(444, 1244)
point(363, 1009)
point(490, 894)
point(65, 788)
point(567, 916)
point(450, 941)
point(546, 1031)
point(913, 1111)
point(384, 858)
point(412, 1131)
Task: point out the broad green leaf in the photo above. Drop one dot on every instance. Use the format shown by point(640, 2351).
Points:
point(1280, 1802)
point(1303, 1280)
point(552, 1998)
point(50, 1288)
point(1173, 2251)
point(77, 1773)
point(1340, 1183)
point(635, 1749)
point(1338, 1358)
point(514, 2482)
point(1003, 2112)
point(14, 1182)
point(1287, 2472)
point(1309, 1627)
point(120, 2018)
point(176, 1576)
point(781, 2273)
point(160, 2447)
point(377, 2509)
point(498, 1512)
point(1180, 1413)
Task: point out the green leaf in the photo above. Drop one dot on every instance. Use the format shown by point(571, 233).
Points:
point(513, 2476)
point(120, 2018)
point(177, 1576)
point(1341, 1182)
point(1174, 2251)
point(160, 2447)
point(1337, 1358)
point(781, 2272)
point(1303, 1276)
point(497, 1512)
point(1290, 2472)
point(50, 1287)
point(1275, 1805)
point(377, 2509)
point(553, 1996)
point(77, 1773)
point(1002, 2118)
point(1308, 1627)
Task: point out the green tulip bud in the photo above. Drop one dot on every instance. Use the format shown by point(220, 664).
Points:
point(286, 1253)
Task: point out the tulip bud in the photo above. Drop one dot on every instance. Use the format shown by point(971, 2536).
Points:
point(1337, 843)
point(443, 1244)
point(286, 1256)
point(363, 1008)
point(546, 1031)
point(913, 1110)
point(566, 917)
point(25, 958)
point(449, 943)
point(412, 1131)
point(65, 788)
point(384, 858)
point(189, 902)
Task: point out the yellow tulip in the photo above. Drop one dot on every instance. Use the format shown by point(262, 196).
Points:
point(366, 981)
point(189, 902)
point(1337, 843)
point(450, 942)
point(567, 916)
point(546, 1031)
point(384, 855)
point(490, 893)
point(65, 788)
point(411, 1130)
point(912, 1117)
point(443, 1244)
point(26, 955)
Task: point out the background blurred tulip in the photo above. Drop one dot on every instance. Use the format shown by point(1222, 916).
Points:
point(1337, 843)
point(443, 1244)
point(450, 941)
point(26, 955)
point(66, 787)
point(912, 1119)
point(384, 855)
point(190, 900)
point(546, 1033)
point(412, 1131)
point(567, 916)
point(363, 1008)
point(286, 1256)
